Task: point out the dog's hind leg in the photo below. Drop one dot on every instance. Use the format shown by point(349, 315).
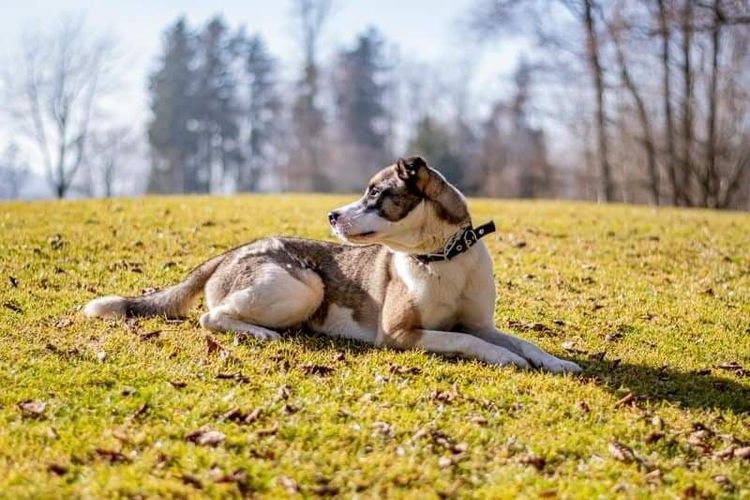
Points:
point(274, 297)
point(219, 321)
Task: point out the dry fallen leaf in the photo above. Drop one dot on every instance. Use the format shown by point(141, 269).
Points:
point(654, 477)
point(444, 396)
point(58, 469)
point(653, 437)
point(382, 428)
point(111, 456)
point(743, 453)
point(570, 346)
point(405, 370)
point(725, 453)
point(31, 408)
point(735, 367)
point(533, 460)
point(325, 490)
point(270, 431)
point(205, 436)
point(140, 411)
point(238, 476)
point(478, 420)
point(621, 452)
point(178, 384)
point(150, 335)
point(289, 484)
point(63, 323)
point(627, 400)
point(214, 347)
point(312, 369)
point(192, 481)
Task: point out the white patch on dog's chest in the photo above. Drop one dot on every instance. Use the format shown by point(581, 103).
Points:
point(436, 290)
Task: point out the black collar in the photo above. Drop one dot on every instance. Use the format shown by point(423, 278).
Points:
point(459, 243)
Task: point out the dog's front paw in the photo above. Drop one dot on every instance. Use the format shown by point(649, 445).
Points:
point(557, 365)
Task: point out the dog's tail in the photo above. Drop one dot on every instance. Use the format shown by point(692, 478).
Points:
point(171, 302)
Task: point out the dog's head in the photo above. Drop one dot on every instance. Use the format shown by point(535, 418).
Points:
point(408, 207)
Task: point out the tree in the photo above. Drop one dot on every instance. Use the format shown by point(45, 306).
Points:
point(597, 73)
point(513, 154)
point(434, 141)
point(172, 131)
point(216, 107)
point(108, 149)
point(13, 172)
point(673, 175)
point(362, 119)
point(261, 122)
point(616, 28)
point(55, 88)
point(308, 117)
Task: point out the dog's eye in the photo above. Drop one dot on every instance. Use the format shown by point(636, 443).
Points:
point(373, 192)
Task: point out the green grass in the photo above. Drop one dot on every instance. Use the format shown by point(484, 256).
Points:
point(650, 302)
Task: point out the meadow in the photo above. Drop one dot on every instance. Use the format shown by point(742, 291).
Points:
point(653, 303)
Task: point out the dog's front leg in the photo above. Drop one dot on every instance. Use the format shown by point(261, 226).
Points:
point(467, 346)
point(533, 354)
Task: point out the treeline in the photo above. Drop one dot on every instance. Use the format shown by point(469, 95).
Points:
point(660, 92)
point(225, 120)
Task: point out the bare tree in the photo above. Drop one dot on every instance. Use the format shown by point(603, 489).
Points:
point(666, 36)
point(616, 28)
point(13, 172)
point(54, 87)
point(597, 72)
point(109, 147)
point(682, 184)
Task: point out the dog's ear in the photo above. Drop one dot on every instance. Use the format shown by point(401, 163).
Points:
point(433, 186)
point(414, 171)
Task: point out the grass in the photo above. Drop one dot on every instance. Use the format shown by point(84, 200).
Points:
point(653, 303)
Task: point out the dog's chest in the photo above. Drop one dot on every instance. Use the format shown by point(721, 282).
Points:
point(436, 291)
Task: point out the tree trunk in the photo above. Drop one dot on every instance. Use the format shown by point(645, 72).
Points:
point(648, 138)
point(711, 182)
point(592, 46)
point(667, 84)
point(686, 172)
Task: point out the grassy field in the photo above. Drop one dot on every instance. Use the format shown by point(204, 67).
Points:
point(654, 304)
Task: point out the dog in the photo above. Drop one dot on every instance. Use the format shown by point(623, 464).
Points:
point(413, 273)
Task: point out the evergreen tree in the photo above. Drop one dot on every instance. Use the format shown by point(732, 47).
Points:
point(360, 94)
point(261, 121)
point(217, 108)
point(171, 132)
point(435, 141)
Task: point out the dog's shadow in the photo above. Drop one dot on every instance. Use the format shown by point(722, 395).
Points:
point(709, 389)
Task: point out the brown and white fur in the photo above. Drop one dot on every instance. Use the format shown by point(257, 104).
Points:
point(372, 290)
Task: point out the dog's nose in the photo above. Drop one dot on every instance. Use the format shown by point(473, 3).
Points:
point(332, 217)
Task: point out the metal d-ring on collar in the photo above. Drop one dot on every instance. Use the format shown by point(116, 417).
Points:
point(459, 243)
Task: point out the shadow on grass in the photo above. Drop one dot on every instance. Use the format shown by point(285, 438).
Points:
point(701, 390)
point(706, 390)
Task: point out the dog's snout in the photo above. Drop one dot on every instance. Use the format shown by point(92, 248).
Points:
point(333, 217)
